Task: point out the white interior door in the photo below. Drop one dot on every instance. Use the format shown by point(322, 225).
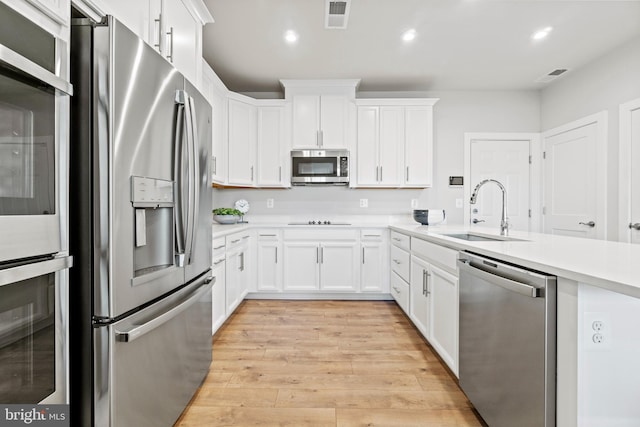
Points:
point(630, 172)
point(504, 158)
point(574, 188)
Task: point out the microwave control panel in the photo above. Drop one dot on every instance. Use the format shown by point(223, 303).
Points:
point(344, 166)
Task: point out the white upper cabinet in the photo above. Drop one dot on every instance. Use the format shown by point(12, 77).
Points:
point(394, 143)
point(321, 113)
point(51, 15)
point(216, 93)
point(242, 141)
point(181, 39)
point(273, 144)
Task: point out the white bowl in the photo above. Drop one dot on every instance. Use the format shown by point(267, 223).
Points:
point(225, 219)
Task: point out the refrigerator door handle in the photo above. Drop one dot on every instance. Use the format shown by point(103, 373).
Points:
point(140, 330)
point(188, 132)
point(194, 169)
point(35, 269)
point(178, 173)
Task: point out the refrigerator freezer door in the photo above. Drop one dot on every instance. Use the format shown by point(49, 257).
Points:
point(135, 123)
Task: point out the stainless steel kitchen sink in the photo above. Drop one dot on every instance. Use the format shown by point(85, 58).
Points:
point(481, 237)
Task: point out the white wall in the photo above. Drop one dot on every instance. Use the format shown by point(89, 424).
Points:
point(457, 112)
point(601, 85)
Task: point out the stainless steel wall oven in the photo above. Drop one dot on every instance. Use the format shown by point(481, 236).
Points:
point(34, 261)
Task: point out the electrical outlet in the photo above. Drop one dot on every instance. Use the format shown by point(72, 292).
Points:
point(269, 203)
point(597, 330)
point(459, 203)
point(414, 203)
point(364, 203)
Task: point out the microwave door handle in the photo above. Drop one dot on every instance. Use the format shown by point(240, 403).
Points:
point(195, 174)
point(18, 62)
point(178, 184)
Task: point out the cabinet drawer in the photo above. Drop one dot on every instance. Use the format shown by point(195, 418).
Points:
point(269, 234)
point(237, 239)
point(400, 292)
point(321, 234)
point(219, 243)
point(400, 262)
point(400, 240)
point(431, 252)
point(373, 234)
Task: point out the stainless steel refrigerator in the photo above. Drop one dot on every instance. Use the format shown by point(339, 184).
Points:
point(140, 327)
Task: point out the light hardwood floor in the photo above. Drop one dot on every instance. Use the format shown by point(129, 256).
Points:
point(325, 363)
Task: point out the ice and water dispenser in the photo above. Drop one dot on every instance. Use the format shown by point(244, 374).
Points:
point(153, 204)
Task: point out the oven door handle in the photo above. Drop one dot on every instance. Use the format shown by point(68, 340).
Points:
point(508, 284)
point(34, 269)
point(21, 64)
point(140, 330)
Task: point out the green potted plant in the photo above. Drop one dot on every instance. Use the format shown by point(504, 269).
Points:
point(226, 215)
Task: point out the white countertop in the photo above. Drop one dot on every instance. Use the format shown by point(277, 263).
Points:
point(610, 265)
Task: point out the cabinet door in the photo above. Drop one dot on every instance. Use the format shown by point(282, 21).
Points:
point(419, 301)
point(269, 262)
point(58, 10)
point(182, 47)
point(339, 266)
point(135, 15)
point(391, 146)
point(334, 112)
point(418, 146)
point(306, 121)
point(372, 270)
point(219, 131)
point(271, 139)
point(219, 298)
point(443, 325)
point(232, 281)
point(367, 156)
point(301, 265)
point(242, 141)
point(244, 275)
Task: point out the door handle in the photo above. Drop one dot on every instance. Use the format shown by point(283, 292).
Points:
point(159, 34)
point(476, 220)
point(635, 226)
point(170, 56)
point(588, 224)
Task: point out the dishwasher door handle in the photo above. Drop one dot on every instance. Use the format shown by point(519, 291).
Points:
point(511, 285)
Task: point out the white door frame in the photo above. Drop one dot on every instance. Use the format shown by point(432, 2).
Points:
point(601, 121)
point(624, 170)
point(535, 171)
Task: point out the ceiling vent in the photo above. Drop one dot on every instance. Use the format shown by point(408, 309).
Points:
point(336, 14)
point(552, 75)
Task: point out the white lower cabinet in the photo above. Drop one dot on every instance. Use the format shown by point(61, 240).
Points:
point(420, 304)
point(238, 275)
point(374, 272)
point(321, 260)
point(269, 261)
point(219, 299)
point(400, 291)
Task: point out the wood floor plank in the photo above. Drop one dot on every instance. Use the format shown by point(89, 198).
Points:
point(325, 363)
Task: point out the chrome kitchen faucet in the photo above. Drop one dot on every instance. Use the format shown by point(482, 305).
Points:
point(504, 221)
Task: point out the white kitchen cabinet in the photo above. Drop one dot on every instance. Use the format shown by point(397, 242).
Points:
point(420, 300)
point(320, 121)
point(181, 39)
point(434, 297)
point(321, 260)
point(269, 261)
point(135, 15)
point(216, 93)
point(394, 143)
point(374, 274)
point(418, 146)
point(400, 292)
point(380, 146)
point(273, 145)
point(242, 142)
point(219, 299)
point(233, 280)
point(238, 265)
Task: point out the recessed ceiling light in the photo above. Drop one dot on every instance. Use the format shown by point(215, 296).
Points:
point(409, 35)
point(541, 34)
point(291, 36)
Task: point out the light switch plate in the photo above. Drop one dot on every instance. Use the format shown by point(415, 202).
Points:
point(269, 203)
point(364, 203)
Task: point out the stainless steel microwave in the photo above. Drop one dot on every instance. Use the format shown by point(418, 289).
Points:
point(323, 167)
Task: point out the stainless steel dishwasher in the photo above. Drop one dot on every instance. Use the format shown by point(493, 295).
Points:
point(507, 347)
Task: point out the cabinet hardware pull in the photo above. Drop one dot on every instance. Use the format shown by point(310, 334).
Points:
point(407, 173)
point(251, 173)
point(380, 173)
point(635, 226)
point(245, 237)
point(589, 224)
point(377, 173)
point(321, 255)
point(267, 235)
point(170, 34)
point(280, 173)
point(396, 289)
point(371, 235)
point(159, 33)
point(235, 241)
point(397, 239)
point(363, 255)
point(276, 255)
point(215, 166)
point(218, 262)
point(317, 255)
point(241, 268)
point(396, 261)
point(321, 139)
point(424, 282)
point(218, 247)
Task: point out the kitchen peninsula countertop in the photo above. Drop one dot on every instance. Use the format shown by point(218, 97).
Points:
point(605, 264)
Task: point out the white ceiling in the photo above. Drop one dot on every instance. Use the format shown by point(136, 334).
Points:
point(460, 44)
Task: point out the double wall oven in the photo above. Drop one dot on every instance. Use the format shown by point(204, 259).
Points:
point(34, 261)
